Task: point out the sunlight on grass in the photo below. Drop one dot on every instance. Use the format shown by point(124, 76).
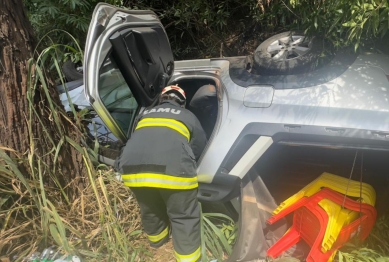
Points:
point(38, 210)
point(99, 221)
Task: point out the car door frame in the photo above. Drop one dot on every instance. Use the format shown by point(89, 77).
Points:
point(98, 48)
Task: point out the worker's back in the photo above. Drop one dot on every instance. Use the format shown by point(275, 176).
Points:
point(168, 140)
point(158, 163)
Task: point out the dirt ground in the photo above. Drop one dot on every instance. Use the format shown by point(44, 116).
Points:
point(164, 253)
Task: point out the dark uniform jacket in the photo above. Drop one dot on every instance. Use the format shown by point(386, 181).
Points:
point(163, 149)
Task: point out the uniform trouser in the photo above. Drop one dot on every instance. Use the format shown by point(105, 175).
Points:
point(181, 208)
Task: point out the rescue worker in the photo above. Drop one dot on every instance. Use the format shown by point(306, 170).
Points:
point(158, 163)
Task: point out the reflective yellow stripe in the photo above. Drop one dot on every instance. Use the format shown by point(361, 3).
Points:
point(159, 176)
point(165, 122)
point(159, 181)
point(188, 258)
point(161, 185)
point(160, 236)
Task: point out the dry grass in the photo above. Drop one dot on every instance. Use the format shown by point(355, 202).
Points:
point(99, 223)
point(102, 224)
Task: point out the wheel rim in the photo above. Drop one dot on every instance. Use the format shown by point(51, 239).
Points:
point(289, 47)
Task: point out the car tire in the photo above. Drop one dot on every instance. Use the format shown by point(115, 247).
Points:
point(287, 53)
point(70, 71)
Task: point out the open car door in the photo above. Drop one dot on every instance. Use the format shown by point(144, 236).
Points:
point(128, 60)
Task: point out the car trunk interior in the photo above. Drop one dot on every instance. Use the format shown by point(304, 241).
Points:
point(287, 169)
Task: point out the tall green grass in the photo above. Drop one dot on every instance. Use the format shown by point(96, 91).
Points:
point(100, 222)
point(38, 210)
point(218, 234)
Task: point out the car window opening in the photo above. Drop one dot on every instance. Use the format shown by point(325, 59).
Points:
point(122, 106)
point(287, 169)
point(116, 95)
point(202, 101)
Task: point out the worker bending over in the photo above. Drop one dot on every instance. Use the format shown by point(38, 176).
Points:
point(158, 163)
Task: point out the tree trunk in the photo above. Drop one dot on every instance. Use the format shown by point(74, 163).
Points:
point(16, 43)
point(16, 47)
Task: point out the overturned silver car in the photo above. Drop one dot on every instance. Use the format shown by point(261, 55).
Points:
point(343, 104)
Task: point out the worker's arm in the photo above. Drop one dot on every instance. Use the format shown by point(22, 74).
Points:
point(198, 139)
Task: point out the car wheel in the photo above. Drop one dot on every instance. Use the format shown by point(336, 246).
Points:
point(287, 53)
point(70, 71)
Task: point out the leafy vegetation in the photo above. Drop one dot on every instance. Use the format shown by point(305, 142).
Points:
point(103, 222)
point(343, 23)
point(374, 248)
point(201, 28)
point(361, 255)
point(218, 234)
point(64, 21)
point(71, 15)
